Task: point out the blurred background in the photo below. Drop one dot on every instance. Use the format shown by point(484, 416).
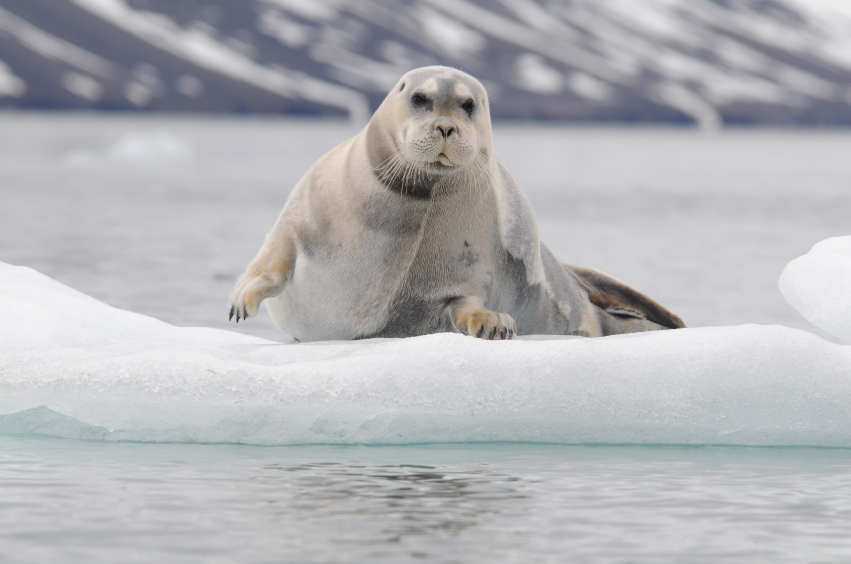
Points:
point(671, 61)
point(689, 147)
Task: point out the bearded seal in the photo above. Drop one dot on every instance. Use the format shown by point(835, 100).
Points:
point(415, 227)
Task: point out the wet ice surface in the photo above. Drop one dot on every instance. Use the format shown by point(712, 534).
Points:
point(704, 224)
point(73, 502)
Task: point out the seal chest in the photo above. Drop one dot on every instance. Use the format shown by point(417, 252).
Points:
point(414, 227)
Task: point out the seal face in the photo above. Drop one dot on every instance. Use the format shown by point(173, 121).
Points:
point(438, 137)
point(414, 227)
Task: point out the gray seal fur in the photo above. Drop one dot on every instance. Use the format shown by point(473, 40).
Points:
point(415, 227)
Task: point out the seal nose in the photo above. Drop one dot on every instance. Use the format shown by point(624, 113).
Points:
point(445, 129)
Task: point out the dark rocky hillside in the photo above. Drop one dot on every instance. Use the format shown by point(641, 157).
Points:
point(707, 61)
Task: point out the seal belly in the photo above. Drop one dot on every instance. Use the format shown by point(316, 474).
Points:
point(344, 283)
point(326, 304)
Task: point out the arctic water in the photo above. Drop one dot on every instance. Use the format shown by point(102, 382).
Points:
point(100, 458)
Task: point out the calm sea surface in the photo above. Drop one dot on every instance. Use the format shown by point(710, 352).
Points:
point(160, 215)
point(68, 501)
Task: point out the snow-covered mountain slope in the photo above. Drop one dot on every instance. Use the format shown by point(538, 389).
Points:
point(708, 61)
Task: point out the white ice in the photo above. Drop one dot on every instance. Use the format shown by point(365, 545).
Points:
point(74, 367)
point(818, 285)
point(151, 149)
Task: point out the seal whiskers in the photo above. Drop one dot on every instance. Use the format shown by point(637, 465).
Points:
point(398, 169)
point(409, 173)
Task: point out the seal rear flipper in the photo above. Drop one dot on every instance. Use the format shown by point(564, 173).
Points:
point(616, 298)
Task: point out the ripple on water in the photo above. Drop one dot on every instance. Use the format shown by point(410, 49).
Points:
point(76, 501)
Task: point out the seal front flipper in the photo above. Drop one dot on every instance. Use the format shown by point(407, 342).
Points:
point(469, 318)
point(265, 276)
point(614, 297)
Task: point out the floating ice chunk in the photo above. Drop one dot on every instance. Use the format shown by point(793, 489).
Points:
point(133, 150)
point(73, 367)
point(818, 286)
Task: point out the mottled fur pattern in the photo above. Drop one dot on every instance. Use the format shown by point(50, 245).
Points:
point(414, 227)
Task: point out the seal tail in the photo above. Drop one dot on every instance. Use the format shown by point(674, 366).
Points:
point(615, 297)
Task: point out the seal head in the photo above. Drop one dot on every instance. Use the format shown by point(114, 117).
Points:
point(433, 125)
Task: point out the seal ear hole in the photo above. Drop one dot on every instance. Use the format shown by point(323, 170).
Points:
point(402, 87)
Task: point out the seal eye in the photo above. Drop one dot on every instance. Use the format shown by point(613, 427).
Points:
point(418, 100)
point(468, 107)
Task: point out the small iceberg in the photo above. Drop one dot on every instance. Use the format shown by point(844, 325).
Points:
point(818, 285)
point(73, 367)
point(158, 149)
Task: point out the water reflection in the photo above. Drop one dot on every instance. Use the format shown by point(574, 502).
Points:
point(400, 500)
point(92, 502)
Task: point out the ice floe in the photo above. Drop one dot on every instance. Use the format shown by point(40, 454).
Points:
point(818, 285)
point(71, 366)
point(158, 149)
